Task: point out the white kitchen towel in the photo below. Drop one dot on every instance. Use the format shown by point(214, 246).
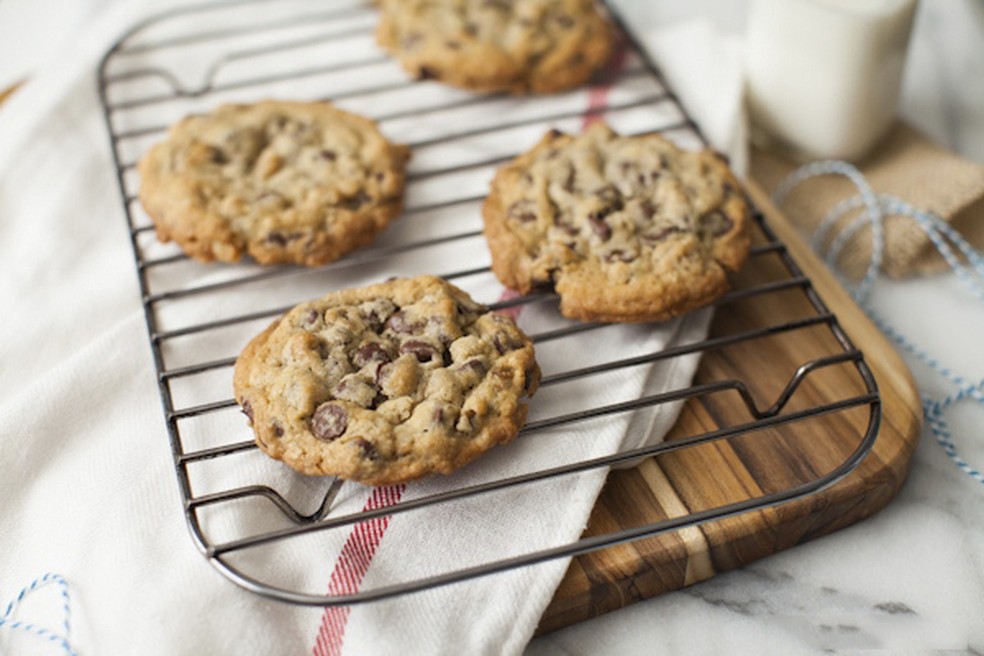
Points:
point(88, 486)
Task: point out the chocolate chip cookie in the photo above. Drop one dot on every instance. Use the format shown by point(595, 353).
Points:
point(386, 383)
point(520, 46)
point(285, 182)
point(625, 228)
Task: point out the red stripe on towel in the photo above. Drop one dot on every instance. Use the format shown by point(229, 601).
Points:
point(351, 568)
point(511, 312)
point(360, 548)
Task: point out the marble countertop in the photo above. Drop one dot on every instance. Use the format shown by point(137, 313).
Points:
point(911, 578)
point(907, 580)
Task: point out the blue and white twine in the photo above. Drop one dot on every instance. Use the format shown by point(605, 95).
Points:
point(7, 620)
point(969, 271)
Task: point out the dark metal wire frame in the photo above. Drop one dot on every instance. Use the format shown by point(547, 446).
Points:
point(304, 524)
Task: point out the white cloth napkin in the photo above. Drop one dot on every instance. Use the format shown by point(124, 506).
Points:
point(88, 486)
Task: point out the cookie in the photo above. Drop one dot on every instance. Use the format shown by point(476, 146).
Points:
point(285, 182)
point(520, 46)
point(386, 383)
point(626, 229)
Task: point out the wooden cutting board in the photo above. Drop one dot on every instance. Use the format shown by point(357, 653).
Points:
point(708, 476)
point(6, 93)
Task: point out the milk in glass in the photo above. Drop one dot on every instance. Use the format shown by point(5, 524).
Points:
point(823, 76)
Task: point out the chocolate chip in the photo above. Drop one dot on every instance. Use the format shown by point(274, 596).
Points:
point(357, 201)
point(476, 365)
point(569, 182)
point(659, 234)
point(529, 379)
point(649, 208)
point(504, 342)
point(426, 73)
point(217, 155)
point(398, 323)
point(523, 211)
point(329, 421)
point(438, 416)
point(380, 176)
point(554, 133)
point(276, 238)
point(466, 423)
point(567, 229)
point(310, 318)
point(247, 410)
point(367, 449)
point(370, 352)
point(329, 155)
point(599, 227)
point(611, 197)
point(619, 255)
point(471, 29)
point(278, 430)
point(648, 178)
point(378, 378)
point(374, 320)
point(281, 239)
point(715, 222)
point(424, 351)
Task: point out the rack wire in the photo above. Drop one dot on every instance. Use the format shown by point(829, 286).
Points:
point(187, 60)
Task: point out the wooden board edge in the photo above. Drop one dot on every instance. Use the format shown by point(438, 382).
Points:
point(5, 94)
point(895, 382)
point(888, 464)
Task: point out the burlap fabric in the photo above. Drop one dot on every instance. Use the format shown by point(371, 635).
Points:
point(908, 165)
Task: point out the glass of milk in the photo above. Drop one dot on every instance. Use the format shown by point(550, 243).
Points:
point(823, 76)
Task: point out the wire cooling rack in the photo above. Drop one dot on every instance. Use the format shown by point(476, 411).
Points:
point(191, 59)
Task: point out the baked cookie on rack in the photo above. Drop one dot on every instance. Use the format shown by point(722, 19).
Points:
point(386, 383)
point(626, 229)
point(520, 46)
point(284, 182)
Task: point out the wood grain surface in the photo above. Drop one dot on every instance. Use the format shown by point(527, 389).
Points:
point(753, 464)
point(6, 93)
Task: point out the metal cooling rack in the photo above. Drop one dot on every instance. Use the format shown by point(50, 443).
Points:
point(188, 60)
